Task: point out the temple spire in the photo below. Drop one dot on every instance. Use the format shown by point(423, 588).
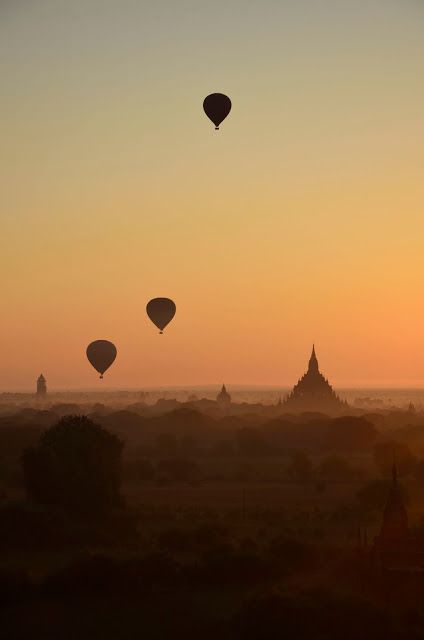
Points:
point(313, 392)
point(313, 362)
point(224, 399)
point(394, 528)
point(41, 386)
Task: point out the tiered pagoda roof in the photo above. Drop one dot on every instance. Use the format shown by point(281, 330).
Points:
point(313, 392)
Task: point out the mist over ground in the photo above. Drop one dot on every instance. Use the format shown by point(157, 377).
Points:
point(361, 397)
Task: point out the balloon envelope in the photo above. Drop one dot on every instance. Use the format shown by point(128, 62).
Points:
point(101, 354)
point(217, 106)
point(161, 311)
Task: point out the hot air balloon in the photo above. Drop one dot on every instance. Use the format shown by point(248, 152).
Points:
point(217, 106)
point(101, 354)
point(161, 311)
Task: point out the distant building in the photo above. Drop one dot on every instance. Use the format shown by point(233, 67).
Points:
point(393, 567)
point(223, 398)
point(41, 387)
point(313, 392)
point(394, 537)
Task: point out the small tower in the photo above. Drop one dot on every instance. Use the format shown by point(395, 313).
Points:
point(223, 398)
point(41, 387)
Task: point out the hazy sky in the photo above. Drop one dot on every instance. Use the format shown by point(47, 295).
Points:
point(301, 220)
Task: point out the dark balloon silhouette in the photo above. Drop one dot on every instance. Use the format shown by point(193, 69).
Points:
point(101, 354)
point(217, 106)
point(161, 311)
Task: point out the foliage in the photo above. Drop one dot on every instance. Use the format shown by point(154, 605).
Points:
point(373, 496)
point(336, 469)
point(178, 470)
point(388, 453)
point(292, 555)
point(300, 467)
point(313, 614)
point(76, 465)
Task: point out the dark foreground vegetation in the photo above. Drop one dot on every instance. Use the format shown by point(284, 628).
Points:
point(183, 524)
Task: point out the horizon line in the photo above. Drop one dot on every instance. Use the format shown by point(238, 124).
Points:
point(241, 386)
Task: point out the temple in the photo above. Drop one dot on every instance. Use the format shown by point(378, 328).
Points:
point(41, 387)
point(313, 392)
point(393, 538)
point(223, 398)
point(393, 567)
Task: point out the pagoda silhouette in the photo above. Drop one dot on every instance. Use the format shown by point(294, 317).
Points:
point(223, 398)
point(41, 387)
point(394, 537)
point(313, 392)
point(393, 566)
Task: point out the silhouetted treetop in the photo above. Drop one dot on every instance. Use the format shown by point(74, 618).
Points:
point(76, 465)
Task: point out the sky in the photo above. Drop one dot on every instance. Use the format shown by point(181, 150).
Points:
point(300, 221)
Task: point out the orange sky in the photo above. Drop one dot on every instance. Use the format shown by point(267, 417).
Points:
point(301, 220)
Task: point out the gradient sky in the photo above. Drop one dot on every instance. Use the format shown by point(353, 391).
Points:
point(301, 220)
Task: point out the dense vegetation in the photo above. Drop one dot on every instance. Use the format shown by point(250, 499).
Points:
point(235, 526)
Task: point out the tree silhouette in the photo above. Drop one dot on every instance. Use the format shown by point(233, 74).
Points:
point(76, 465)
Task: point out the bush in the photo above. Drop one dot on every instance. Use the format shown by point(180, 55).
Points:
point(76, 465)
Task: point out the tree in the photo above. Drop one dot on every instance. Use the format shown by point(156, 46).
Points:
point(178, 469)
point(300, 468)
point(334, 468)
point(350, 433)
point(75, 465)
